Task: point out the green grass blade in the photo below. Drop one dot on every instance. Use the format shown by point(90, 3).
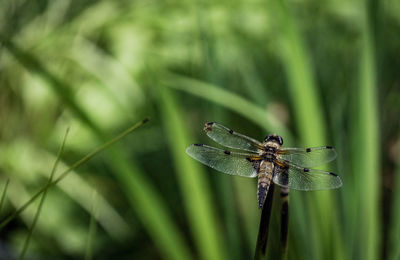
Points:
point(234, 240)
point(75, 186)
point(149, 206)
point(3, 195)
point(365, 146)
point(231, 101)
point(92, 229)
point(144, 199)
point(166, 235)
point(36, 218)
point(394, 232)
point(63, 90)
point(80, 190)
point(73, 167)
point(193, 183)
point(309, 117)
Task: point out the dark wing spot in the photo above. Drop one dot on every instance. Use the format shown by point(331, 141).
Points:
point(230, 131)
point(334, 174)
point(227, 152)
point(248, 159)
point(306, 170)
point(329, 147)
point(198, 144)
point(308, 150)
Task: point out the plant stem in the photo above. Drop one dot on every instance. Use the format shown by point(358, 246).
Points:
point(284, 222)
point(3, 196)
point(92, 228)
point(36, 218)
point(73, 167)
point(262, 238)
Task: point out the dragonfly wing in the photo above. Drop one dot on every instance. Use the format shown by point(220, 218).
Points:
point(298, 178)
point(229, 138)
point(281, 175)
point(232, 163)
point(308, 157)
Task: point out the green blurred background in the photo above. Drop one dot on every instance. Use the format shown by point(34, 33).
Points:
point(315, 72)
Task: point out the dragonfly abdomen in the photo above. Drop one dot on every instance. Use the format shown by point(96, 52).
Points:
point(264, 180)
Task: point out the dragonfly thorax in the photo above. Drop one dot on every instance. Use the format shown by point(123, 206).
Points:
point(269, 157)
point(271, 148)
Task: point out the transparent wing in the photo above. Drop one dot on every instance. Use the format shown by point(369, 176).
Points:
point(229, 138)
point(298, 178)
point(241, 164)
point(307, 157)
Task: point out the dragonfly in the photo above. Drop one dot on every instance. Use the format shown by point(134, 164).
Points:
point(290, 168)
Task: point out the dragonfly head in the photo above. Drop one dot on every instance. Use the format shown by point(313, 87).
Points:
point(274, 138)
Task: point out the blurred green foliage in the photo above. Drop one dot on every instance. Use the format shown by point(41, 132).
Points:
point(317, 73)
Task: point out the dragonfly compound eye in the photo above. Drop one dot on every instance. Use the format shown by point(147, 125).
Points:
point(274, 138)
point(280, 140)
